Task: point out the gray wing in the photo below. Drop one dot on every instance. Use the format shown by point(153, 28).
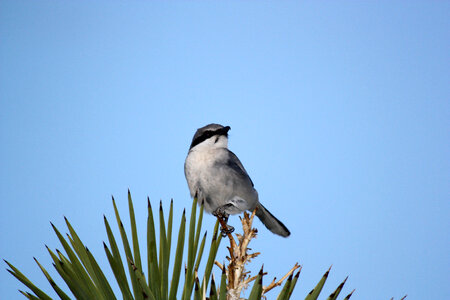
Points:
point(234, 185)
point(234, 163)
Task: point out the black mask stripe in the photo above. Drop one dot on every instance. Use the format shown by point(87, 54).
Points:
point(207, 134)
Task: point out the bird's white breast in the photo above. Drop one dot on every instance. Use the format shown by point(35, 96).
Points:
point(197, 164)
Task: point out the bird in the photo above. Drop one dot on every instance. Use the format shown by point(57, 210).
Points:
point(217, 178)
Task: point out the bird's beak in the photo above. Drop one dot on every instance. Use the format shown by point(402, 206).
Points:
point(226, 128)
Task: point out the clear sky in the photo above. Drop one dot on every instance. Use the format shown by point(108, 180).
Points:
point(340, 113)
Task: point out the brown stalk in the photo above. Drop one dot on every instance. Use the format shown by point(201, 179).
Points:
point(238, 278)
point(279, 282)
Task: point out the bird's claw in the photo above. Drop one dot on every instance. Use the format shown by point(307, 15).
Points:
point(221, 213)
point(225, 231)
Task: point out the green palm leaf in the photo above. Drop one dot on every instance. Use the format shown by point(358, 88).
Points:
point(86, 279)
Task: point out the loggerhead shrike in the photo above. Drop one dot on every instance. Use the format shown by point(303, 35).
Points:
point(218, 179)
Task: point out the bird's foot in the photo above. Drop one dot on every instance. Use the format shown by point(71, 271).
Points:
point(226, 231)
point(222, 215)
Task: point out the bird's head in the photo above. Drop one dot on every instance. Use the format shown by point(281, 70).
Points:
point(210, 136)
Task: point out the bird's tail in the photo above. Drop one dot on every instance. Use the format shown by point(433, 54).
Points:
point(272, 223)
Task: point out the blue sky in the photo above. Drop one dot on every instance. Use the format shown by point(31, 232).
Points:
point(339, 112)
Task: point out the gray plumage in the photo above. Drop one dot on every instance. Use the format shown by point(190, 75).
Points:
point(217, 177)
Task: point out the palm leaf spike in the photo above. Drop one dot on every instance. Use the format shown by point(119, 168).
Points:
point(91, 279)
point(120, 278)
point(168, 251)
point(200, 252)
point(284, 294)
point(178, 258)
point(115, 261)
point(57, 264)
point(294, 281)
point(22, 278)
point(88, 288)
point(199, 227)
point(189, 281)
point(102, 283)
point(169, 229)
point(404, 297)
point(97, 281)
point(256, 291)
point(163, 253)
point(152, 255)
point(55, 287)
point(72, 279)
point(197, 291)
point(29, 296)
point(75, 264)
point(137, 291)
point(80, 250)
point(316, 291)
point(215, 242)
point(335, 294)
point(145, 290)
point(134, 234)
point(349, 295)
point(68, 268)
point(223, 284)
point(76, 291)
point(213, 290)
point(91, 289)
